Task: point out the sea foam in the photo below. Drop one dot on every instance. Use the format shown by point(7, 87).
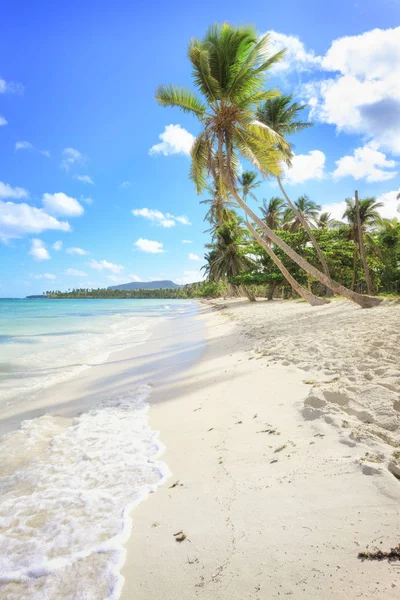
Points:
point(67, 490)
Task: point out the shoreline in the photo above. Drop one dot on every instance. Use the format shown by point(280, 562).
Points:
point(273, 498)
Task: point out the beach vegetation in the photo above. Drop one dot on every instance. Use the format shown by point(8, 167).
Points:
point(229, 69)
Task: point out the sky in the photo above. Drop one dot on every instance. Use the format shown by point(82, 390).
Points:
point(94, 187)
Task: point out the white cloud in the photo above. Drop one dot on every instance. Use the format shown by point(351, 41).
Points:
point(3, 121)
point(192, 256)
point(174, 140)
point(390, 207)
point(388, 211)
point(306, 167)
point(164, 220)
point(125, 184)
point(57, 246)
point(44, 276)
point(75, 250)
point(150, 246)
point(105, 265)
point(11, 87)
point(71, 156)
point(86, 200)
point(23, 146)
point(38, 250)
point(364, 96)
point(366, 163)
point(183, 220)
point(153, 215)
point(84, 179)
point(75, 273)
point(296, 56)
point(187, 242)
point(190, 277)
point(134, 277)
point(6, 191)
point(18, 219)
point(61, 204)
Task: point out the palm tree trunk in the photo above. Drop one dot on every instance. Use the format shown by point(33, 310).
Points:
point(363, 301)
point(310, 234)
point(271, 290)
point(362, 247)
point(226, 179)
point(249, 295)
point(305, 294)
point(353, 281)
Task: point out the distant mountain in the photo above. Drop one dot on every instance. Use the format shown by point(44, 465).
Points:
point(146, 285)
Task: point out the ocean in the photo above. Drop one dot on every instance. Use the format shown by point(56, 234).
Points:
point(68, 484)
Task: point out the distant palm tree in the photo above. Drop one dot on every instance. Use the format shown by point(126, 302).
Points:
point(306, 211)
point(248, 183)
point(272, 212)
point(219, 209)
point(369, 217)
point(281, 115)
point(228, 257)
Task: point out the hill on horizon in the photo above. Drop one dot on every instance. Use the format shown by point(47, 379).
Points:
point(165, 284)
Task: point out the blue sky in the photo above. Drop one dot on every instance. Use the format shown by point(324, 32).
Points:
point(83, 143)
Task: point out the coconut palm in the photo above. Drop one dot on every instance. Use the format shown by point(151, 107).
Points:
point(229, 69)
point(280, 114)
point(283, 117)
point(306, 210)
point(248, 183)
point(369, 217)
point(324, 220)
point(228, 257)
point(219, 209)
point(272, 212)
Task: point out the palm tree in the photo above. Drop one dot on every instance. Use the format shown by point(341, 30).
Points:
point(280, 114)
point(306, 210)
point(229, 69)
point(324, 220)
point(283, 117)
point(247, 182)
point(219, 209)
point(368, 217)
point(228, 257)
point(272, 212)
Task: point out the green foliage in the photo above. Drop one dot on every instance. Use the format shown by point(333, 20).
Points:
point(229, 68)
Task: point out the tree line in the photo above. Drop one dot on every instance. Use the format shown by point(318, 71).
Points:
point(240, 119)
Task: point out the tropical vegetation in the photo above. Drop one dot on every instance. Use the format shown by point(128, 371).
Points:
point(237, 121)
point(282, 247)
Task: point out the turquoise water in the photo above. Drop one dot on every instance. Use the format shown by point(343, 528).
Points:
point(68, 484)
point(43, 341)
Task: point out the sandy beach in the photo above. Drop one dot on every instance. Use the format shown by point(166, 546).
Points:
point(282, 441)
point(280, 424)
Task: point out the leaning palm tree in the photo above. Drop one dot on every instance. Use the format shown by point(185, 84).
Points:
point(369, 217)
point(283, 117)
point(229, 69)
point(272, 212)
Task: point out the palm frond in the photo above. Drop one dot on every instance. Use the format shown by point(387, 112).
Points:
point(169, 95)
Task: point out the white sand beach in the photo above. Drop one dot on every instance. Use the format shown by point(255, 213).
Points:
point(282, 452)
point(281, 431)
